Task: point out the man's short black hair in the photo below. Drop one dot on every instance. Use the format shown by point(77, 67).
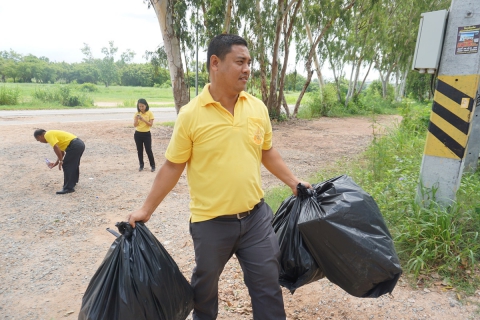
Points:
point(222, 44)
point(38, 133)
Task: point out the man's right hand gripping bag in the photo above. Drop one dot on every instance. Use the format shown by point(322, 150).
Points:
point(349, 239)
point(138, 280)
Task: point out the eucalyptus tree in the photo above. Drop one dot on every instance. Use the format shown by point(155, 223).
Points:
point(158, 59)
point(362, 43)
point(320, 16)
point(333, 48)
point(171, 17)
point(289, 19)
point(108, 69)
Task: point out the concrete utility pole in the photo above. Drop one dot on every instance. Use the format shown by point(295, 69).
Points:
point(453, 139)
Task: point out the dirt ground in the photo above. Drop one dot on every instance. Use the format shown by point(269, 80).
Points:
point(53, 244)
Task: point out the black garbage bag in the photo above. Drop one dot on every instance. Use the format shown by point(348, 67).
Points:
point(349, 239)
point(297, 265)
point(137, 279)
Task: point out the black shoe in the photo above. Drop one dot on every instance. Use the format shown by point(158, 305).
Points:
point(153, 169)
point(63, 191)
point(141, 168)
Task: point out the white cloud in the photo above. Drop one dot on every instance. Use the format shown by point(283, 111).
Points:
point(57, 29)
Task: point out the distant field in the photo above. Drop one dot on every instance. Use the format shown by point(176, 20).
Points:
point(113, 95)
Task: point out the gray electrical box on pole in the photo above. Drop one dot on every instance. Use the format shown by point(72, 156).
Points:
point(453, 138)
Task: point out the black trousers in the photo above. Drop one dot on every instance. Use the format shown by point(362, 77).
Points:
point(71, 163)
point(144, 139)
point(255, 244)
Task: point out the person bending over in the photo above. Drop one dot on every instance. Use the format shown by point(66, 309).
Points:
point(69, 150)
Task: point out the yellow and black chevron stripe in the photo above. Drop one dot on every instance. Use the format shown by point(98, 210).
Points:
point(453, 105)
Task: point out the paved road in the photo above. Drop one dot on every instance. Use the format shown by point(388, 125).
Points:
point(11, 117)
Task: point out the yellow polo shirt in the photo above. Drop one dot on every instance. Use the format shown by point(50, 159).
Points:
point(142, 126)
point(62, 138)
point(223, 153)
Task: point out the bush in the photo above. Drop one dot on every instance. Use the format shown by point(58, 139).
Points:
point(64, 96)
point(324, 104)
point(9, 96)
point(88, 87)
point(416, 117)
point(130, 103)
point(166, 84)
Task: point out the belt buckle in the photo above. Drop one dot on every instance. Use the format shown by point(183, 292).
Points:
point(240, 217)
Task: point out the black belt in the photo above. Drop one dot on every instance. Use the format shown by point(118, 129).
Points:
point(242, 215)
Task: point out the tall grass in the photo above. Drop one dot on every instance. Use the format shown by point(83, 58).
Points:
point(64, 95)
point(9, 96)
point(431, 241)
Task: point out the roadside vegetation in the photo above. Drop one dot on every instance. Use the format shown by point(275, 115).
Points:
point(20, 96)
point(436, 245)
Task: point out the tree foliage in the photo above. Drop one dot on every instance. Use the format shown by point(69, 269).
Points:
point(350, 37)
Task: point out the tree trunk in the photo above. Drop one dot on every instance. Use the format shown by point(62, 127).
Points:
point(305, 86)
point(315, 58)
point(337, 85)
point(261, 58)
point(403, 83)
point(285, 106)
point(228, 16)
point(164, 11)
point(272, 95)
point(287, 30)
point(357, 75)
point(350, 88)
point(364, 79)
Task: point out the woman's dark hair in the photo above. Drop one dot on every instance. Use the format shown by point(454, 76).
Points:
point(142, 101)
point(222, 44)
point(39, 132)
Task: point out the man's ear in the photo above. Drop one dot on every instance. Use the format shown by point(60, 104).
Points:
point(214, 60)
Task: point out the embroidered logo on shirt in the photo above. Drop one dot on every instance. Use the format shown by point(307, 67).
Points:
point(258, 137)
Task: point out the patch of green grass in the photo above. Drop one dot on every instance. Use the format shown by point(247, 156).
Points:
point(291, 97)
point(130, 103)
point(156, 97)
point(170, 124)
point(9, 96)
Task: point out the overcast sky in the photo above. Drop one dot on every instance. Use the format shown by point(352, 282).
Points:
point(57, 29)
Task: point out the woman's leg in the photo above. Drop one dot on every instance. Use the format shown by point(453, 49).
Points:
point(148, 149)
point(139, 142)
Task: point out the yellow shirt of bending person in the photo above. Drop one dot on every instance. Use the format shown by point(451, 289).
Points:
point(223, 153)
point(61, 138)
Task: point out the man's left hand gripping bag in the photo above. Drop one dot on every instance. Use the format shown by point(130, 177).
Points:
point(137, 279)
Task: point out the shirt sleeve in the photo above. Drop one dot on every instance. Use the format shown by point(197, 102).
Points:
point(179, 148)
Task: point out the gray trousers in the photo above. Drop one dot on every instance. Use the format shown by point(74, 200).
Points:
point(255, 244)
point(71, 163)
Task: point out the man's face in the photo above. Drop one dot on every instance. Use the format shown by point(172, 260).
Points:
point(234, 70)
point(41, 139)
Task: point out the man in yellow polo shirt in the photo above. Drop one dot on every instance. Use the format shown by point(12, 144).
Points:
point(69, 150)
point(222, 137)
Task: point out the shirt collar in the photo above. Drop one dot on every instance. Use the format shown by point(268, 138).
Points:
point(206, 99)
